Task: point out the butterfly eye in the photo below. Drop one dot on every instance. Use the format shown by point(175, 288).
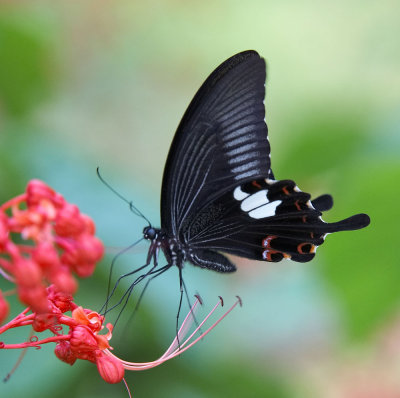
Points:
point(149, 233)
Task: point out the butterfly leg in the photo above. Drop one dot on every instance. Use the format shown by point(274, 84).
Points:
point(152, 254)
point(181, 283)
point(154, 274)
point(128, 293)
point(109, 295)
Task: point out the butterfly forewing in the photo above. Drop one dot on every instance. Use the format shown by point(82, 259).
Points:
point(220, 143)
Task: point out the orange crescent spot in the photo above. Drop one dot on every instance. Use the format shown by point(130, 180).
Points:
point(256, 184)
point(267, 254)
point(267, 241)
point(302, 245)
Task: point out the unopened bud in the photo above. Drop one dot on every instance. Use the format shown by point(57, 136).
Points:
point(110, 369)
point(64, 353)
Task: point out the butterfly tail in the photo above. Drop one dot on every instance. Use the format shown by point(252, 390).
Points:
point(299, 241)
point(352, 223)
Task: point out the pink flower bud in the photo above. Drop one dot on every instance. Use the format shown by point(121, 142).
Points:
point(83, 254)
point(64, 353)
point(37, 190)
point(110, 369)
point(35, 297)
point(91, 248)
point(83, 340)
point(69, 221)
point(84, 270)
point(71, 255)
point(90, 228)
point(46, 255)
point(64, 281)
point(43, 322)
point(27, 273)
point(63, 301)
point(4, 308)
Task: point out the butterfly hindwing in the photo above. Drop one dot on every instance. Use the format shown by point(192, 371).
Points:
point(266, 220)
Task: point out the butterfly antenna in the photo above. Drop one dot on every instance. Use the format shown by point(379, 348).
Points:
point(132, 207)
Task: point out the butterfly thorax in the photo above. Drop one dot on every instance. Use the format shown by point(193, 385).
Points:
point(174, 251)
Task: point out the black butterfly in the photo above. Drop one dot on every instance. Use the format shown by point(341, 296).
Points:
point(219, 194)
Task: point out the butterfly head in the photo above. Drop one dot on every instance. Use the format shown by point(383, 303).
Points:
point(151, 233)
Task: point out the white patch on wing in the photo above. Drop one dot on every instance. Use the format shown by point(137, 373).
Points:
point(238, 194)
point(257, 204)
point(255, 200)
point(268, 210)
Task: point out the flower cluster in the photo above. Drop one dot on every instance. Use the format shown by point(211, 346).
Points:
point(82, 341)
point(58, 241)
point(44, 240)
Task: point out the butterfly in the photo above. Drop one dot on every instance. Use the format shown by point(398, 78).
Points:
point(219, 195)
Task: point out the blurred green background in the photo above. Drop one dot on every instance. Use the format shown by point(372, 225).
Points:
point(104, 83)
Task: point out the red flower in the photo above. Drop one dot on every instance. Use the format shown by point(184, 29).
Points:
point(85, 341)
point(60, 242)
